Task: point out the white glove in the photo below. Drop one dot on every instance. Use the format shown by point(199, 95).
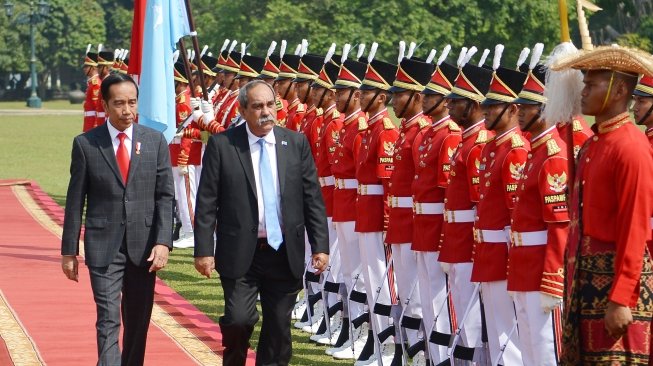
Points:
point(183, 170)
point(446, 267)
point(195, 103)
point(207, 109)
point(549, 302)
point(197, 115)
point(180, 134)
point(212, 94)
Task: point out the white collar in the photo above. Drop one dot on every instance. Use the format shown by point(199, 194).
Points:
point(253, 139)
point(114, 132)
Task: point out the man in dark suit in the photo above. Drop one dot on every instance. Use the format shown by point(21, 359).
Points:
point(259, 193)
point(121, 172)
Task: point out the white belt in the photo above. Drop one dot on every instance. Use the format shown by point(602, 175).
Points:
point(529, 238)
point(100, 114)
point(89, 113)
point(400, 202)
point(491, 236)
point(452, 216)
point(346, 183)
point(428, 208)
point(370, 189)
point(327, 181)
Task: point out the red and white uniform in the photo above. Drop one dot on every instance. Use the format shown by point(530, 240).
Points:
point(296, 111)
point(580, 129)
point(373, 171)
point(432, 152)
point(461, 198)
point(282, 111)
point(400, 225)
point(344, 202)
point(540, 224)
point(91, 102)
point(228, 110)
point(502, 163)
point(100, 115)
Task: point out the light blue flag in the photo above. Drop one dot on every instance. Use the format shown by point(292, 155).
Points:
point(166, 21)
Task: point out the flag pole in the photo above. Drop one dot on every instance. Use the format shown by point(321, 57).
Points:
point(184, 57)
point(196, 47)
point(565, 37)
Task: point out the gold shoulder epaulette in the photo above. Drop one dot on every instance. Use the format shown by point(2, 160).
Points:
point(576, 125)
point(319, 111)
point(552, 147)
point(387, 124)
point(279, 105)
point(362, 124)
point(422, 122)
point(95, 81)
point(453, 126)
point(335, 114)
point(300, 107)
point(482, 137)
point(182, 98)
point(516, 141)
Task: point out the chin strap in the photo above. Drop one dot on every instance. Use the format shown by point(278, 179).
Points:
point(351, 93)
point(428, 112)
point(607, 95)
point(412, 94)
point(646, 116)
point(496, 120)
point(319, 104)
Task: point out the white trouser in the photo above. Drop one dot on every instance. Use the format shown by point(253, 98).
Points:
point(185, 192)
point(334, 260)
point(462, 292)
point(536, 330)
point(499, 318)
point(405, 266)
point(433, 294)
point(198, 168)
point(373, 258)
point(350, 263)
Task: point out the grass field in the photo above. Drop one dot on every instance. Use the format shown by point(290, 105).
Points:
point(37, 147)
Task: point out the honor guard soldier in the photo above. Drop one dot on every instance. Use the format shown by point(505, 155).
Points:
point(224, 88)
point(539, 227)
point(207, 64)
point(607, 310)
point(288, 72)
point(432, 152)
point(502, 162)
point(104, 62)
point(410, 80)
point(228, 109)
point(462, 197)
point(344, 206)
point(185, 156)
point(374, 165)
point(643, 107)
point(92, 89)
point(269, 73)
point(307, 71)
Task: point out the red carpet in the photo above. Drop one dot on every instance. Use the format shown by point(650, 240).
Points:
point(47, 319)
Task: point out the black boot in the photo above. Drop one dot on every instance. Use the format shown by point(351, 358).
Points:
point(344, 333)
point(398, 359)
point(368, 348)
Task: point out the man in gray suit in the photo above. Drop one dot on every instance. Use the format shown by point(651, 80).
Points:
point(259, 193)
point(121, 172)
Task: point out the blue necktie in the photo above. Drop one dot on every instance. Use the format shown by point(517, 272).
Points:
point(269, 200)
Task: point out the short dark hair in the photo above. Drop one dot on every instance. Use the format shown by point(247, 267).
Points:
point(112, 79)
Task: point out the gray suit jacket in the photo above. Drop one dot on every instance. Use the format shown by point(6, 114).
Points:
point(226, 202)
point(141, 210)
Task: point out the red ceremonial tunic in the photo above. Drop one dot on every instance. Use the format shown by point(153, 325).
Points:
point(228, 110)
point(282, 111)
point(296, 111)
point(432, 152)
point(617, 198)
point(185, 150)
point(344, 166)
point(330, 124)
point(91, 101)
point(649, 134)
point(462, 194)
point(374, 168)
point(306, 126)
point(503, 160)
point(400, 225)
point(541, 206)
point(100, 115)
point(581, 132)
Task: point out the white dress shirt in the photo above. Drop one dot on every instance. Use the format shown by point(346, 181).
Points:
point(116, 141)
point(255, 150)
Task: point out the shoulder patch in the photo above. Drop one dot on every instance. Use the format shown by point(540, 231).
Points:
point(95, 81)
point(335, 114)
point(453, 126)
point(319, 112)
point(552, 147)
point(279, 105)
point(422, 122)
point(387, 124)
point(516, 141)
point(362, 124)
point(482, 137)
point(182, 98)
point(300, 107)
point(577, 127)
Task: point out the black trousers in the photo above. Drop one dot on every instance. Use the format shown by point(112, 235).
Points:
point(269, 276)
point(136, 285)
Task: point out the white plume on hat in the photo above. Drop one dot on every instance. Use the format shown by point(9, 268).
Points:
point(224, 45)
point(204, 49)
point(233, 45)
point(563, 88)
point(431, 56)
point(444, 54)
point(99, 48)
point(330, 53)
point(486, 52)
point(272, 47)
point(461, 57)
point(402, 51)
point(411, 49)
point(496, 60)
point(370, 56)
point(535, 56)
point(298, 50)
point(117, 52)
point(304, 47)
point(523, 55)
point(345, 52)
point(88, 48)
point(282, 50)
point(243, 48)
point(470, 53)
point(361, 50)
point(125, 52)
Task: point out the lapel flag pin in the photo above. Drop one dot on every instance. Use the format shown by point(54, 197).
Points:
point(138, 147)
point(284, 143)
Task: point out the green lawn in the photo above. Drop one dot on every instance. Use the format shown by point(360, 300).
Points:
point(38, 148)
point(47, 105)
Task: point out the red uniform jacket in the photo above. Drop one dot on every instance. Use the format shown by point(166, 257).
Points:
point(296, 111)
point(374, 167)
point(330, 124)
point(400, 226)
point(100, 116)
point(282, 111)
point(581, 132)
point(306, 126)
point(541, 206)
point(185, 150)
point(462, 194)
point(91, 102)
point(228, 110)
point(432, 152)
point(344, 166)
point(617, 197)
point(503, 160)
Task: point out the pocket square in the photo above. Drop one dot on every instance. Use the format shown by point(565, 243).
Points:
point(284, 143)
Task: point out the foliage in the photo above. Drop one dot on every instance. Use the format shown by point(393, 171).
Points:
point(635, 40)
